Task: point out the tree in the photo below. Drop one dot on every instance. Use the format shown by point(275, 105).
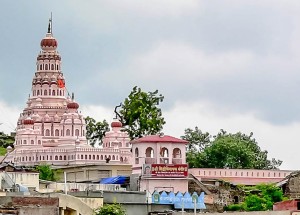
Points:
point(198, 141)
point(111, 209)
point(140, 114)
point(46, 173)
point(95, 131)
point(238, 151)
point(6, 140)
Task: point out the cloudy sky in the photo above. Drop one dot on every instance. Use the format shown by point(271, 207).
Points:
point(231, 64)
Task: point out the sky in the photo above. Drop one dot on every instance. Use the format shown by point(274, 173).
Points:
point(231, 64)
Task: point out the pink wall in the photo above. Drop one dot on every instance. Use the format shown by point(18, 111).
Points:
point(241, 176)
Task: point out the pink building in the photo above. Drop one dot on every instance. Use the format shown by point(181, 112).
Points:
point(160, 163)
point(240, 176)
point(52, 130)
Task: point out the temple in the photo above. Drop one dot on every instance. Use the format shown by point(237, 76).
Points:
point(52, 130)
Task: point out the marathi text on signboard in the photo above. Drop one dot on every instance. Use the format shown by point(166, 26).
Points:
point(165, 170)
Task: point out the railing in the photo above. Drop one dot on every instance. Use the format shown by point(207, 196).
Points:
point(164, 160)
point(150, 160)
point(176, 161)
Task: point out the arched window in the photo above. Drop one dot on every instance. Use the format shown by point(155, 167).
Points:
point(56, 132)
point(47, 157)
point(32, 142)
point(97, 157)
point(56, 67)
point(121, 159)
point(52, 67)
point(65, 157)
point(101, 158)
point(45, 92)
point(136, 152)
point(85, 157)
point(41, 67)
point(149, 152)
point(50, 157)
point(77, 132)
point(56, 157)
point(81, 157)
point(60, 92)
point(53, 92)
point(47, 132)
point(38, 92)
point(60, 157)
point(164, 152)
point(90, 157)
point(39, 142)
point(43, 158)
point(176, 153)
point(68, 132)
point(46, 67)
point(113, 157)
point(24, 142)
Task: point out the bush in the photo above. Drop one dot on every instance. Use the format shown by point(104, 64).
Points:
point(234, 207)
point(111, 209)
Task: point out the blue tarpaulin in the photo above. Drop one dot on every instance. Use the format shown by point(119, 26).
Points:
point(114, 180)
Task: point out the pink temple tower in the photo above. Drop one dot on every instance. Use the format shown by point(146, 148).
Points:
point(51, 129)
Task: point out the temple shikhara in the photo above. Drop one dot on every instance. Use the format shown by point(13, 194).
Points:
point(51, 129)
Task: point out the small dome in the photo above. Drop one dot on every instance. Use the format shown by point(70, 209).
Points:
point(28, 121)
point(116, 124)
point(73, 105)
point(49, 43)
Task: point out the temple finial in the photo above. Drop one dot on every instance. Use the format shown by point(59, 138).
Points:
point(50, 25)
point(72, 96)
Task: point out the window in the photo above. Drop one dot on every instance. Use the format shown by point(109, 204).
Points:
point(113, 157)
point(65, 157)
point(24, 142)
point(56, 132)
point(39, 142)
point(32, 142)
point(41, 67)
point(56, 157)
point(56, 67)
point(52, 67)
point(47, 132)
point(77, 132)
point(93, 157)
point(81, 157)
point(46, 67)
point(53, 92)
point(97, 157)
point(38, 92)
point(90, 157)
point(101, 157)
point(60, 157)
point(45, 92)
point(68, 132)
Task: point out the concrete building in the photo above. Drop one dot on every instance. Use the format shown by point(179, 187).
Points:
point(51, 128)
point(159, 163)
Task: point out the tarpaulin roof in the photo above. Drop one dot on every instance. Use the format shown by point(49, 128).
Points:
point(114, 180)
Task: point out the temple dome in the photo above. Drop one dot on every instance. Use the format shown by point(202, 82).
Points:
point(73, 105)
point(49, 43)
point(116, 124)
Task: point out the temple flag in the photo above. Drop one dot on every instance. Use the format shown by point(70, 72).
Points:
point(60, 83)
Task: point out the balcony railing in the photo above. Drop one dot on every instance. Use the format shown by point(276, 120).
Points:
point(164, 160)
point(177, 161)
point(150, 160)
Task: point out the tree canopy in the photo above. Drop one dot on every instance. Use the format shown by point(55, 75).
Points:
point(226, 150)
point(46, 173)
point(111, 209)
point(140, 114)
point(95, 131)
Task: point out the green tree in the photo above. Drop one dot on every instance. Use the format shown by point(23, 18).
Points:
point(111, 209)
point(198, 141)
point(95, 131)
point(6, 140)
point(140, 114)
point(238, 151)
point(46, 173)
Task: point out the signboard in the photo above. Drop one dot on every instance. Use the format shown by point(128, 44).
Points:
point(165, 170)
point(179, 200)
